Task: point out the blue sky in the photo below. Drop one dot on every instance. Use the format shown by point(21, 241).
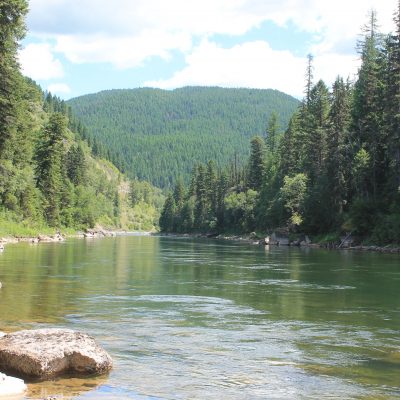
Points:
point(74, 48)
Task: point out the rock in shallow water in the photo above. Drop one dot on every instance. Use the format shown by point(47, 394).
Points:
point(10, 387)
point(45, 353)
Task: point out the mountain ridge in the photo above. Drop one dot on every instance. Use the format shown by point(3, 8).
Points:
point(157, 134)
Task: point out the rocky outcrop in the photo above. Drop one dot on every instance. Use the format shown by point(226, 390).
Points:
point(40, 238)
point(11, 387)
point(43, 238)
point(98, 233)
point(45, 353)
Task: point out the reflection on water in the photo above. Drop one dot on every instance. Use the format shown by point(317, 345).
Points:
point(203, 319)
point(65, 387)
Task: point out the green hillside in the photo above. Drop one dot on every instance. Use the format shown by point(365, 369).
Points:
point(49, 178)
point(157, 135)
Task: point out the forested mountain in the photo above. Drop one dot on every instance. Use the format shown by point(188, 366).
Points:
point(48, 176)
point(335, 170)
point(158, 135)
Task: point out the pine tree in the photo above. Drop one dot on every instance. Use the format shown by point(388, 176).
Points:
point(289, 148)
point(201, 205)
point(187, 216)
point(368, 106)
point(339, 122)
point(272, 133)
point(117, 205)
point(12, 29)
point(135, 195)
point(193, 178)
point(49, 170)
point(314, 131)
point(309, 79)
point(167, 218)
point(256, 163)
point(76, 165)
point(211, 188)
point(392, 104)
point(222, 190)
point(179, 193)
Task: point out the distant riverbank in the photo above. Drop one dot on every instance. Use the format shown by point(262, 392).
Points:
point(283, 241)
point(60, 236)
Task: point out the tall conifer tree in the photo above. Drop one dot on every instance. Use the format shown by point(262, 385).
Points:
point(256, 163)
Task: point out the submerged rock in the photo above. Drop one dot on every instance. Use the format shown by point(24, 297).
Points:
point(45, 353)
point(10, 387)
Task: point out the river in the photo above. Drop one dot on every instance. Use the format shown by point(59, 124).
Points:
point(208, 319)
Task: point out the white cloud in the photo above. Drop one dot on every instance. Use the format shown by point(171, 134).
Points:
point(123, 52)
point(126, 33)
point(59, 88)
point(234, 17)
point(38, 62)
point(253, 65)
point(132, 17)
point(329, 65)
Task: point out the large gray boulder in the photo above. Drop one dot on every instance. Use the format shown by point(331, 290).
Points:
point(11, 388)
point(45, 353)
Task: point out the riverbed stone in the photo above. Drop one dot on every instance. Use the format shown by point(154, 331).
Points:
point(11, 387)
point(46, 353)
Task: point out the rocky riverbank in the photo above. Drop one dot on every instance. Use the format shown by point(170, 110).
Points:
point(275, 239)
point(57, 237)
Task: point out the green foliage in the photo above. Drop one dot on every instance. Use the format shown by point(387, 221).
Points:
point(15, 225)
point(158, 135)
point(256, 163)
point(12, 29)
point(168, 214)
point(293, 193)
point(363, 216)
point(76, 165)
point(239, 211)
point(336, 168)
point(387, 230)
point(272, 134)
point(48, 176)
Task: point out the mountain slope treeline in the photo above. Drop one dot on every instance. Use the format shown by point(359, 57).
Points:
point(335, 170)
point(158, 135)
point(48, 176)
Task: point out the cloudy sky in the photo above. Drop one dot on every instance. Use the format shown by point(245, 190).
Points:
point(77, 47)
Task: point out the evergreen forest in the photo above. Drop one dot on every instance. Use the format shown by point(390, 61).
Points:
point(49, 178)
point(327, 166)
point(157, 135)
point(334, 171)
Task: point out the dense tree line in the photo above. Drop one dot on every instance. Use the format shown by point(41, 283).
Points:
point(335, 169)
point(48, 175)
point(157, 135)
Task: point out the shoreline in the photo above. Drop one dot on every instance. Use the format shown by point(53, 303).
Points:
point(256, 241)
point(245, 238)
point(60, 237)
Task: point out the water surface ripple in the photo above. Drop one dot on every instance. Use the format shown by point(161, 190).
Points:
point(204, 319)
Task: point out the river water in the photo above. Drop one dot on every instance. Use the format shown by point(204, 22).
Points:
point(208, 319)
